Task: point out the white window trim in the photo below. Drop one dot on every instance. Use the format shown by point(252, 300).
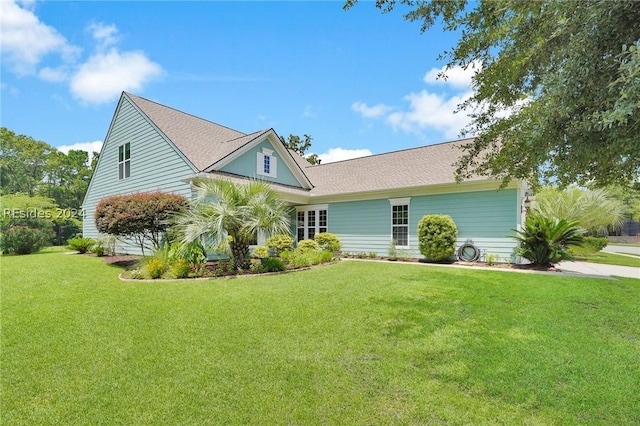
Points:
point(401, 202)
point(273, 163)
point(124, 161)
point(306, 210)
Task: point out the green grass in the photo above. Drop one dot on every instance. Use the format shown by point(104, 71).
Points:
point(610, 259)
point(347, 344)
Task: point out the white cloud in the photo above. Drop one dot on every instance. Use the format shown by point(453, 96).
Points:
point(456, 77)
point(105, 35)
point(25, 41)
point(339, 154)
point(57, 75)
point(370, 112)
point(105, 75)
point(429, 110)
point(83, 146)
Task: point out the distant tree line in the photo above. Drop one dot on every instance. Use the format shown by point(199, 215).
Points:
point(33, 168)
point(41, 192)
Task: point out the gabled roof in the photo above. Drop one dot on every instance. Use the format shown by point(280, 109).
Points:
point(207, 145)
point(202, 142)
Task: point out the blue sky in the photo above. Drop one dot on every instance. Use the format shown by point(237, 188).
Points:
point(357, 81)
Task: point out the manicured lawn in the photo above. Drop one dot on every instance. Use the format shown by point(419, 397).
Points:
point(346, 344)
point(611, 259)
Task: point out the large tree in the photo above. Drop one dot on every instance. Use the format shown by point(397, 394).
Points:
point(34, 167)
point(299, 145)
point(226, 209)
point(556, 90)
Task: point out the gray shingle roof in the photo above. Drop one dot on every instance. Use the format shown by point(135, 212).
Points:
point(204, 143)
point(423, 166)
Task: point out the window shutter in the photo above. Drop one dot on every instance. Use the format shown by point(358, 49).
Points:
point(274, 167)
point(260, 164)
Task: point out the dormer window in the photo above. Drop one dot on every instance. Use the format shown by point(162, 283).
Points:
point(267, 163)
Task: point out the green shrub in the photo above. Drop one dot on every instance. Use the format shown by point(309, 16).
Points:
point(194, 253)
point(180, 268)
point(545, 241)
point(325, 256)
point(327, 241)
point(437, 237)
point(286, 256)
point(155, 268)
point(260, 252)
point(301, 259)
point(25, 236)
point(280, 243)
point(306, 246)
point(81, 245)
point(393, 251)
point(595, 243)
point(272, 264)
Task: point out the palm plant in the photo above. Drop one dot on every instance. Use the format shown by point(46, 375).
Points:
point(545, 241)
point(595, 209)
point(225, 209)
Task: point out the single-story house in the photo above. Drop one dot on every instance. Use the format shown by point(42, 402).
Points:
point(367, 202)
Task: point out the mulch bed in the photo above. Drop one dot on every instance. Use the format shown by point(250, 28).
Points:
point(127, 261)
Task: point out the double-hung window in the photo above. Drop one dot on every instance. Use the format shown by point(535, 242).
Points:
point(311, 220)
point(124, 161)
point(400, 221)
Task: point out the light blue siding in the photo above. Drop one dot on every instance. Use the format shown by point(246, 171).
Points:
point(486, 217)
point(245, 165)
point(155, 166)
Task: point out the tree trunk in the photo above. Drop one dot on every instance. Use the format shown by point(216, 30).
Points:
point(240, 254)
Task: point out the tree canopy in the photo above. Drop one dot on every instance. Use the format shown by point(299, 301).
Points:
point(299, 145)
point(35, 168)
point(557, 87)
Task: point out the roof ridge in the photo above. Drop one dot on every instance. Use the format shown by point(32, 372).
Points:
point(131, 95)
point(392, 152)
point(258, 133)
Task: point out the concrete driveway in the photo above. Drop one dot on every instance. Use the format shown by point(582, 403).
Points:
point(622, 249)
point(596, 269)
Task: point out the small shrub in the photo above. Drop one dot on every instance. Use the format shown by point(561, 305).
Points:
point(180, 268)
point(595, 243)
point(373, 254)
point(306, 246)
point(137, 274)
point(361, 255)
point(491, 259)
point(404, 254)
point(260, 252)
point(393, 251)
point(545, 241)
point(155, 268)
point(25, 237)
point(437, 237)
point(280, 243)
point(99, 248)
point(325, 256)
point(81, 245)
point(301, 259)
point(286, 256)
point(272, 264)
point(327, 241)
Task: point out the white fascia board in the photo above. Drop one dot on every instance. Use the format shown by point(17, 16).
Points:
point(278, 147)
